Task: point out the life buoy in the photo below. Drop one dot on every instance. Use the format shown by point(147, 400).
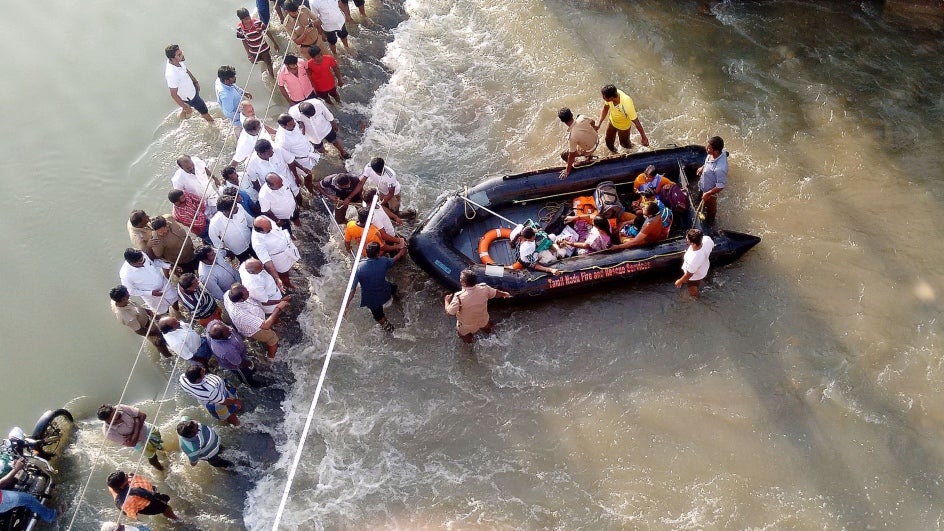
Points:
point(486, 241)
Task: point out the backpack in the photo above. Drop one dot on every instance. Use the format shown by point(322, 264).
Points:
point(674, 197)
point(608, 203)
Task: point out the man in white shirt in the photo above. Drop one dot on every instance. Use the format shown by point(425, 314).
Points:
point(381, 218)
point(231, 228)
point(318, 125)
point(145, 279)
point(184, 88)
point(332, 22)
point(216, 274)
point(193, 176)
point(277, 202)
point(272, 159)
point(261, 285)
point(384, 179)
point(252, 132)
point(184, 341)
point(695, 262)
point(289, 137)
point(275, 250)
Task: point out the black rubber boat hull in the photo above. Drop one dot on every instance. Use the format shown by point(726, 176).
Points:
point(432, 244)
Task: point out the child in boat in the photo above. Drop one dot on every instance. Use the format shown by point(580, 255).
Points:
point(601, 237)
point(532, 253)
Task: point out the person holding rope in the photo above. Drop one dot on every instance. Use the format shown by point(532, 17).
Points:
point(228, 95)
point(582, 138)
point(184, 88)
point(126, 426)
point(134, 495)
point(341, 189)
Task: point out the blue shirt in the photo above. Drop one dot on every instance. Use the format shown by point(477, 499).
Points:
point(715, 173)
point(229, 97)
point(372, 276)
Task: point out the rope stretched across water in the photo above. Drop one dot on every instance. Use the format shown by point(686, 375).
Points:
point(324, 369)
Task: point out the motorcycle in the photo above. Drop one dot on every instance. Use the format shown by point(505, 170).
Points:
point(40, 450)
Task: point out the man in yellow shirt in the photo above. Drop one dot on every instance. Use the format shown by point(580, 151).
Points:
point(619, 107)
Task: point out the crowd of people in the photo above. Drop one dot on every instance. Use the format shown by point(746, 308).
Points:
point(213, 277)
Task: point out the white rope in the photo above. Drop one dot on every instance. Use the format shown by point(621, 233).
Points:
point(464, 198)
point(324, 370)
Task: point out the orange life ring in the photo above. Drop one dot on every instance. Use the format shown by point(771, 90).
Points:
point(486, 241)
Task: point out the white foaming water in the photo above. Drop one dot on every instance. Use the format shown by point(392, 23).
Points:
point(802, 391)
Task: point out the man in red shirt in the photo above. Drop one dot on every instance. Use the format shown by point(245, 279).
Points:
point(188, 208)
point(253, 34)
point(323, 70)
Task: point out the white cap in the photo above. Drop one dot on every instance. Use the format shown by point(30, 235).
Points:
point(109, 526)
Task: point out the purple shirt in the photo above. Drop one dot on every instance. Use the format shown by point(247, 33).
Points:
point(230, 353)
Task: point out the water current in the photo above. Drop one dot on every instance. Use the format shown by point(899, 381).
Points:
point(803, 390)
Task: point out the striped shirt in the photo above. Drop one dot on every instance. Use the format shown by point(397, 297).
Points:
point(201, 304)
point(210, 390)
point(204, 445)
point(254, 35)
point(247, 315)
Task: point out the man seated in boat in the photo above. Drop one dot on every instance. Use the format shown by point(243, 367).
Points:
point(655, 228)
point(533, 254)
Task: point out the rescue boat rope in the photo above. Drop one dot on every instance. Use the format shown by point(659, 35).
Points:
point(324, 370)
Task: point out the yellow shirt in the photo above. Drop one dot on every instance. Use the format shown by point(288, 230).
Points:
point(623, 113)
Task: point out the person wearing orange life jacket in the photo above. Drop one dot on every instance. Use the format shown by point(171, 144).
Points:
point(134, 495)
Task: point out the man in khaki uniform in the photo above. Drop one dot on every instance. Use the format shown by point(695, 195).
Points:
point(470, 306)
point(582, 138)
point(170, 240)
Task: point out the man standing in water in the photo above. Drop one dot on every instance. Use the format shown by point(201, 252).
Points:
point(695, 262)
point(470, 306)
point(184, 88)
point(376, 290)
point(713, 177)
point(622, 113)
point(582, 138)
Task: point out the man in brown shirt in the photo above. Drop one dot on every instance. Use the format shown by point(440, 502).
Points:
point(170, 240)
point(470, 306)
point(136, 318)
point(582, 138)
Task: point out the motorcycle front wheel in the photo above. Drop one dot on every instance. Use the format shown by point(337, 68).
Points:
point(53, 431)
